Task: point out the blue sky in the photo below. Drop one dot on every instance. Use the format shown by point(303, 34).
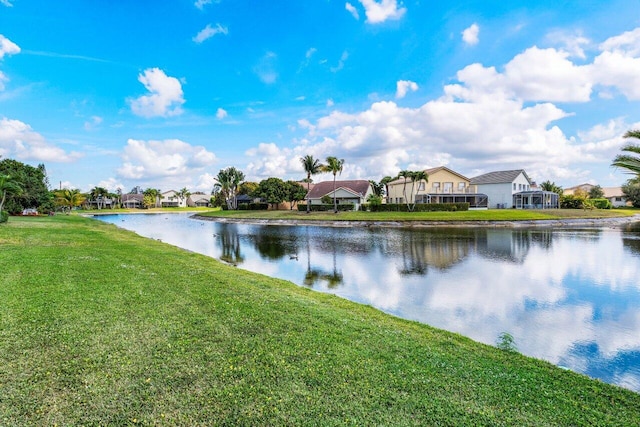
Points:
point(164, 94)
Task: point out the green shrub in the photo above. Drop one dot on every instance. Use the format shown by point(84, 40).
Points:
point(601, 203)
point(4, 216)
point(326, 207)
point(258, 206)
point(419, 207)
point(570, 201)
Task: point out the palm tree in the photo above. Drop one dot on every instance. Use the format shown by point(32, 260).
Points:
point(405, 174)
point(334, 165)
point(183, 194)
point(551, 186)
point(8, 185)
point(385, 182)
point(158, 198)
point(119, 195)
point(69, 198)
point(629, 161)
point(416, 176)
point(311, 166)
point(228, 181)
point(98, 194)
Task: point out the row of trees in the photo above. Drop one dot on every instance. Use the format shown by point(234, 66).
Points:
point(230, 184)
point(21, 187)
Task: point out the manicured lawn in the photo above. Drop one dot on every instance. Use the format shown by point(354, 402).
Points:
point(99, 326)
point(479, 215)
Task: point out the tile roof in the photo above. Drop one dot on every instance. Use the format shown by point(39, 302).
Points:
point(358, 186)
point(499, 177)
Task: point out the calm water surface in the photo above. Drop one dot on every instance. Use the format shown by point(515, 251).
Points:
point(571, 296)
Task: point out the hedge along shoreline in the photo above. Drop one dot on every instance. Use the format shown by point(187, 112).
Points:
point(418, 207)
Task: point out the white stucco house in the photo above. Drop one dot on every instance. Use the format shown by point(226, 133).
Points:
point(616, 197)
point(500, 186)
point(171, 199)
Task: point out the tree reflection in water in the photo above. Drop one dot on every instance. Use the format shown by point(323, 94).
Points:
point(229, 242)
point(631, 239)
point(275, 242)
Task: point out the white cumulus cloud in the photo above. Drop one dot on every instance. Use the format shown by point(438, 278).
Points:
point(18, 140)
point(470, 35)
point(156, 160)
point(383, 10)
point(165, 98)
point(209, 31)
point(404, 86)
point(7, 47)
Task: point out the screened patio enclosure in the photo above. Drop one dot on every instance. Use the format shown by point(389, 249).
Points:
point(475, 200)
point(536, 200)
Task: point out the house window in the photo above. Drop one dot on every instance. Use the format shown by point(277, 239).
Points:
point(461, 187)
point(448, 187)
point(436, 187)
point(514, 186)
point(421, 186)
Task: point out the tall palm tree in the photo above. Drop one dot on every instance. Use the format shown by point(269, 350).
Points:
point(98, 194)
point(334, 165)
point(629, 161)
point(228, 181)
point(183, 194)
point(69, 198)
point(416, 177)
point(8, 185)
point(311, 166)
point(406, 175)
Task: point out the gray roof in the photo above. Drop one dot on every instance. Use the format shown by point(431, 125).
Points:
point(499, 177)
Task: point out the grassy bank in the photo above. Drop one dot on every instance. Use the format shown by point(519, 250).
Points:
point(99, 326)
point(479, 215)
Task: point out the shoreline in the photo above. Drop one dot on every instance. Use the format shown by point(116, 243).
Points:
point(550, 223)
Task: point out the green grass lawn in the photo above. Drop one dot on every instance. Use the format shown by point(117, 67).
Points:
point(99, 326)
point(474, 215)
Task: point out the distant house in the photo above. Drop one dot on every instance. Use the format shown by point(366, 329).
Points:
point(500, 186)
point(443, 185)
point(354, 192)
point(171, 199)
point(100, 202)
point(199, 200)
point(132, 201)
point(583, 188)
point(613, 194)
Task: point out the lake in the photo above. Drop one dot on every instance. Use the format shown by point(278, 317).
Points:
point(569, 296)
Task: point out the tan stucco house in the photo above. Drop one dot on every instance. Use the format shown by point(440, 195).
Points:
point(443, 185)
